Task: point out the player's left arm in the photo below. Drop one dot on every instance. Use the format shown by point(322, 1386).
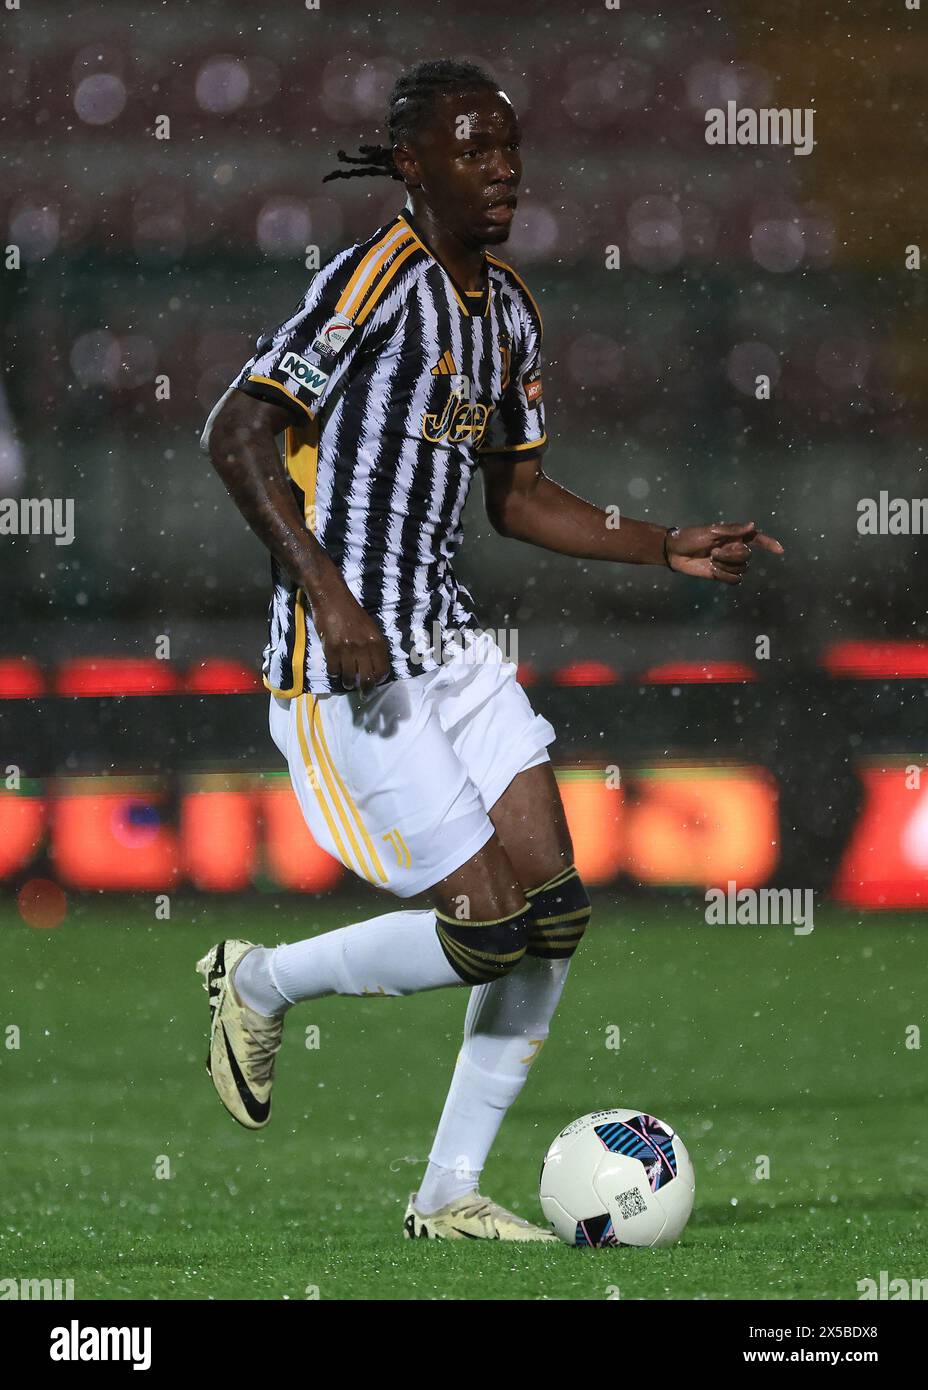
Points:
point(523, 503)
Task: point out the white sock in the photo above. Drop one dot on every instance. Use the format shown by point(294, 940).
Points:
point(505, 1025)
point(397, 953)
point(252, 982)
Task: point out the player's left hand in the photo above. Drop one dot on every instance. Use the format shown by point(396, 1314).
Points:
point(720, 551)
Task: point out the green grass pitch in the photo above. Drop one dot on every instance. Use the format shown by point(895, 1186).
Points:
point(750, 1041)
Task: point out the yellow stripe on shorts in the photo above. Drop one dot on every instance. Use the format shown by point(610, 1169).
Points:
point(332, 777)
point(314, 781)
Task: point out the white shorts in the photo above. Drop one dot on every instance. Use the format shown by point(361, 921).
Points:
point(397, 783)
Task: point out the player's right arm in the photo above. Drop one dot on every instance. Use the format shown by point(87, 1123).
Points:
point(240, 439)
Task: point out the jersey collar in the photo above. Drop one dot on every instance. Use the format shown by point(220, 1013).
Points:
point(473, 303)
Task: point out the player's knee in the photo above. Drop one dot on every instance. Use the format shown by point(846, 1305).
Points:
point(481, 952)
point(560, 914)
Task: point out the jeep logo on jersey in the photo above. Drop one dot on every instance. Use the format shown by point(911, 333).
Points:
point(309, 377)
point(333, 335)
point(461, 421)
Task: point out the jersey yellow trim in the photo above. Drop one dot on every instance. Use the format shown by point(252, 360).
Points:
point(314, 781)
point(495, 260)
point(268, 381)
point(301, 461)
point(385, 283)
point(301, 455)
point(374, 857)
point(454, 289)
point(298, 660)
point(516, 448)
point(373, 262)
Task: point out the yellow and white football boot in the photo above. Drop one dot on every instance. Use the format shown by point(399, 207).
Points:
point(470, 1217)
point(242, 1044)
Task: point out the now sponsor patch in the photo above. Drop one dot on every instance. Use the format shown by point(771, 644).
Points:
point(311, 378)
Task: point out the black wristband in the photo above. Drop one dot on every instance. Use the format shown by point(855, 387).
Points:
point(671, 531)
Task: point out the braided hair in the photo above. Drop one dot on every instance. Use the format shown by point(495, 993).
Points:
point(412, 103)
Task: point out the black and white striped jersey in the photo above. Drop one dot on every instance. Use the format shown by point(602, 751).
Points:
point(397, 380)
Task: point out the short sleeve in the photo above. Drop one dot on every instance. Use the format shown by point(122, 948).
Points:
point(301, 363)
point(518, 422)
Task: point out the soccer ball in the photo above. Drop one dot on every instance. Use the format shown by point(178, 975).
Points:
point(617, 1177)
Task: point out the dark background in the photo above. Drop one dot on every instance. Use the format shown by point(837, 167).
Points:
point(143, 257)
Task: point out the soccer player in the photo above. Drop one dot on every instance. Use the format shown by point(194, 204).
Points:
point(414, 359)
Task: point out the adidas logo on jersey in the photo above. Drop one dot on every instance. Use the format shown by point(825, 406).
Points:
point(303, 372)
point(445, 366)
point(463, 421)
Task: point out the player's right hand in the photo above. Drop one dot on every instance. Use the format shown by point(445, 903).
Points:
point(720, 551)
point(356, 653)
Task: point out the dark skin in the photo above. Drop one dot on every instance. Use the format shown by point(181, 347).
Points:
point(462, 176)
point(240, 437)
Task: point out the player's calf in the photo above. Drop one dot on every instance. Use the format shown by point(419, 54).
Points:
point(559, 916)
